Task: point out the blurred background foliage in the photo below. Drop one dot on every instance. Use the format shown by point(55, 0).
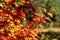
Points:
point(55, 4)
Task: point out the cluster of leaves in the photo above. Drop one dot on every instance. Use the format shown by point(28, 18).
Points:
point(19, 17)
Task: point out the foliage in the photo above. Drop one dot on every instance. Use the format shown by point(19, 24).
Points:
point(19, 18)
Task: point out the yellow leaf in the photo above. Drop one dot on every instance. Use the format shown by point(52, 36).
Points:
point(32, 32)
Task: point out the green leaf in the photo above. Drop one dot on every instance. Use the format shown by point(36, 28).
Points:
point(24, 21)
point(19, 2)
